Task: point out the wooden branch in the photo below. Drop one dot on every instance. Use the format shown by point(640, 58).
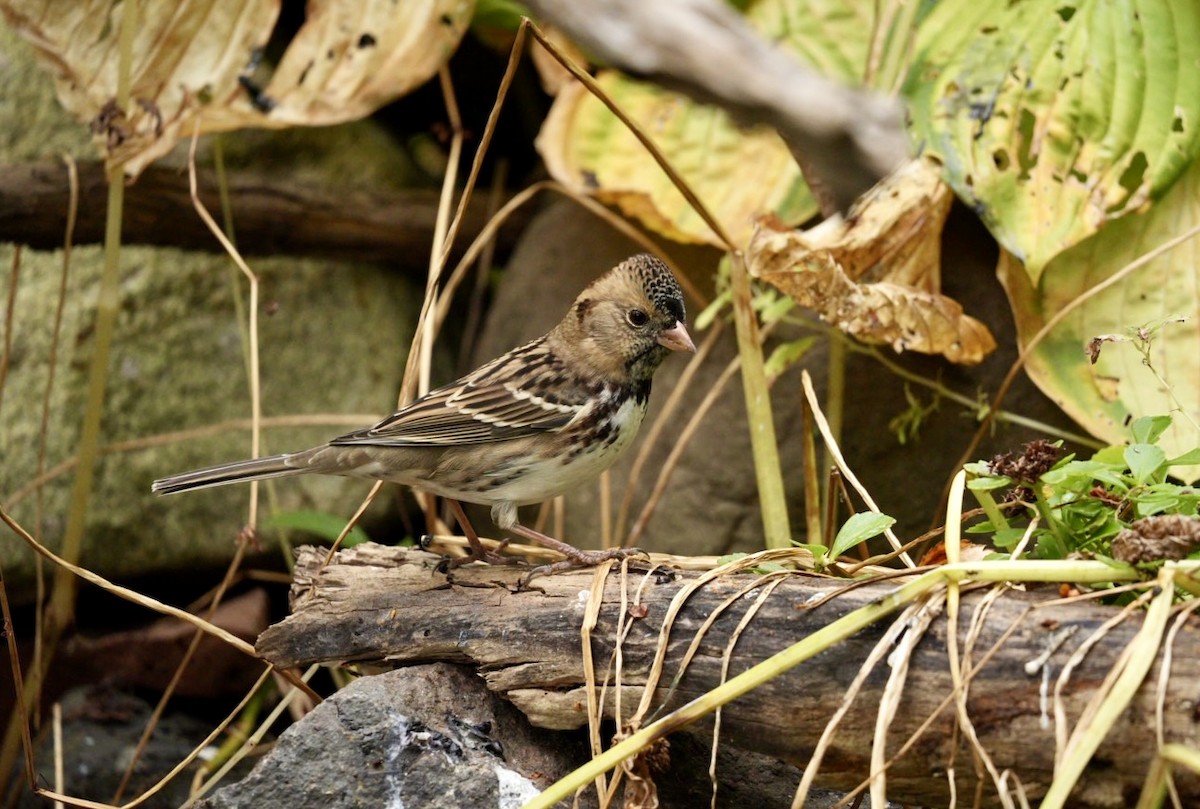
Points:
point(271, 217)
point(705, 49)
point(387, 604)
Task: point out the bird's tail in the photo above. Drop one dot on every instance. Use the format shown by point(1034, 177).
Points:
point(274, 466)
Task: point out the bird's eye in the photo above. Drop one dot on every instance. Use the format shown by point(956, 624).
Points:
point(637, 317)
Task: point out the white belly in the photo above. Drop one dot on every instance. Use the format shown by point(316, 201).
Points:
point(554, 476)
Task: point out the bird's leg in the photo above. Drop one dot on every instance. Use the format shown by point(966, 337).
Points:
point(505, 517)
point(478, 552)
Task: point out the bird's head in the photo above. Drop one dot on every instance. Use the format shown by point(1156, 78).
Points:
point(627, 321)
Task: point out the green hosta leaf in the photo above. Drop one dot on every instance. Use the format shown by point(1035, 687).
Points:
point(326, 526)
point(989, 483)
point(1008, 538)
point(859, 528)
point(1055, 117)
point(1102, 396)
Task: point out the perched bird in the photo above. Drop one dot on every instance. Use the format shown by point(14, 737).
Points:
point(527, 426)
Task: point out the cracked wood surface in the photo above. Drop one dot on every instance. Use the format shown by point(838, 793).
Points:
point(388, 605)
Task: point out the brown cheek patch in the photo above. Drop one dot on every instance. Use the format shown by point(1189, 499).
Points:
point(583, 307)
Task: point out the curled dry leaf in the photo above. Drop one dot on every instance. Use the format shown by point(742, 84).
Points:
point(875, 274)
point(198, 62)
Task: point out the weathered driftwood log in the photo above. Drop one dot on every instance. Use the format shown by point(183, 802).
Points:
point(389, 605)
point(272, 217)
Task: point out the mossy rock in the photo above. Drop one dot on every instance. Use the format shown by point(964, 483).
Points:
point(333, 340)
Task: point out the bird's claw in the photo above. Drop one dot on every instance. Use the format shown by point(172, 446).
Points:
point(574, 561)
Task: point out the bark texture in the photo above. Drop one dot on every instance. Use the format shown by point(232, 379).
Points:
point(389, 605)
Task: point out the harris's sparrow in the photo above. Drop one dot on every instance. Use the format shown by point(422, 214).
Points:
point(527, 426)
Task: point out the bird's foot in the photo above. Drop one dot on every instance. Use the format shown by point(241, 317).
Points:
point(577, 559)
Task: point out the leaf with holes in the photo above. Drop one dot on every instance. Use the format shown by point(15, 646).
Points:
point(1055, 117)
point(1102, 396)
point(196, 62)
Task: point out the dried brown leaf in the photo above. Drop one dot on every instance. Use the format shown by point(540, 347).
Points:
point(875, 274)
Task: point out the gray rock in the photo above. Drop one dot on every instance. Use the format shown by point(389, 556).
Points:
point(423, 737)
point(334, 344)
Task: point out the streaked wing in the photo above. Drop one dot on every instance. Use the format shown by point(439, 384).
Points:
point(524, 392)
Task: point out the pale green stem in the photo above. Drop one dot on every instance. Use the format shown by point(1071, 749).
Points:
point(768, 471)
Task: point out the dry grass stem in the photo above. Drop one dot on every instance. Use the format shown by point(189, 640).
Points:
point(880, 650)
point(252, 315)
point(9, 317)
point(1077, 657)
point(135, 597)
point(62, 596)
point(917, 618)
point(376, 487)
point(595, 708)
point(768, 584)
point(253, 740)
point(1164, 677)
point(56, 723)
point(946, 702)
point(625, 623)
point(444, 225)
point(833, 449)
point(14, 661)
point(226, 581)
point(636, 130)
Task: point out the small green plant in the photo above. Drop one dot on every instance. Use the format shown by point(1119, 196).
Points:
point(1119, 504)
point(857, 529)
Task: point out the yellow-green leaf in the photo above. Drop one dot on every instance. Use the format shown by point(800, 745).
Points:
point(1103, 396)
point(737, 173)
point(1055, 117)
